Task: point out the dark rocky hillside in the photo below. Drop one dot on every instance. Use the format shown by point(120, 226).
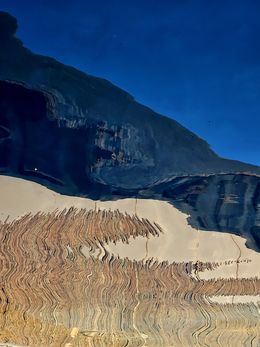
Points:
point(81, 135)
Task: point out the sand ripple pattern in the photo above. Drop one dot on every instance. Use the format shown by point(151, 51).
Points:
point(60, 287)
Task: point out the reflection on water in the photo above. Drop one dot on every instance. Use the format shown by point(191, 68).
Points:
point(60, 287)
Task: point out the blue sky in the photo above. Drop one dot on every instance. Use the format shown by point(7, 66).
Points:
point(197, 61)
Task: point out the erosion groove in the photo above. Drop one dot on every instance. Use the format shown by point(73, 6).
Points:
point(61, 287)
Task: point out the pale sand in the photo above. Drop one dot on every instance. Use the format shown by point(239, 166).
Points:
point(179, 242)
point(236, 299)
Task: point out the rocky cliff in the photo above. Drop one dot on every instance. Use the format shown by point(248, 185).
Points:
point(81, 135)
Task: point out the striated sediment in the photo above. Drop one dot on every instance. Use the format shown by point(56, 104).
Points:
point(56, 291)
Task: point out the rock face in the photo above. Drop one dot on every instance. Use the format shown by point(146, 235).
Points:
point(227, 202)
point(81, 135)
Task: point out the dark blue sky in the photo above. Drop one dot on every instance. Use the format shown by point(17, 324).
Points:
point(197, 61)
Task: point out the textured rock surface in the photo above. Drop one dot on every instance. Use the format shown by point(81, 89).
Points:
point(57, 292)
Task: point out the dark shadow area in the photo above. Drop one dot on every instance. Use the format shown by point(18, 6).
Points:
point(35, 147)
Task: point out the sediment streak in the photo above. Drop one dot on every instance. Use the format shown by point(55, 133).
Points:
point(54, 294)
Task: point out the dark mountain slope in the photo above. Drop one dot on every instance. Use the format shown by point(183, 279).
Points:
point(144, 144)
point(81, 135)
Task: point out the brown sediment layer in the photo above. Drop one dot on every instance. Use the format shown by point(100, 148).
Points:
point(86, 227)
point(55, 293)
